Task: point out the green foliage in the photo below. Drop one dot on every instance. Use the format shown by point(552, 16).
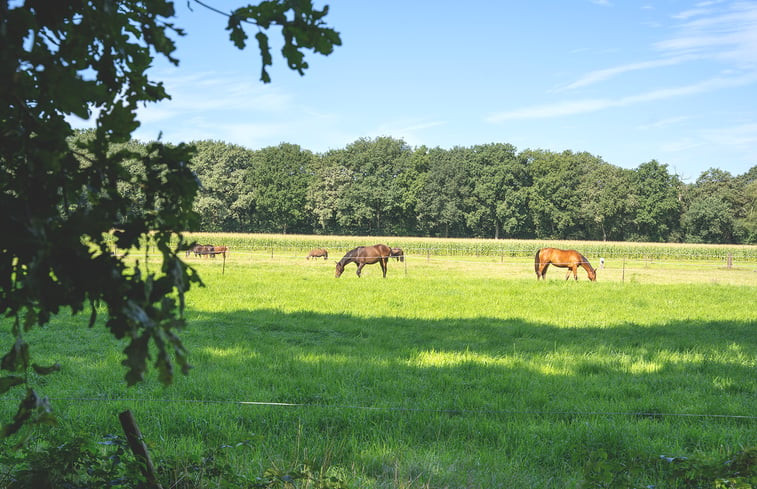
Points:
point(734, 471)
point(225, 201)
point(302, 27)
point(656, 203)
point(85, 463)
point(382, 186)
point(69, 198)
point(749, 220)
point(277, 184)
point(76, 464)
point(61, 201)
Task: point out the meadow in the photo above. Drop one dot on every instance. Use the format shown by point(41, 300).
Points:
point(457, 370)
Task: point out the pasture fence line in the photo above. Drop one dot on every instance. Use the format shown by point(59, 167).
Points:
point(455, 411)
point(644, 251)
point(727, 262)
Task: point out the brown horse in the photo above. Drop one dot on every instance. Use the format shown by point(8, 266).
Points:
point(570, 259)
point(208, 250)
point(200, 250)
point(317, 253)
point(219, 250)
point(364, 255)
point(397, 254)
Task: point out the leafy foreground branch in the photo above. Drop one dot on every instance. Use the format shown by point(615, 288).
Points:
point(65, 205)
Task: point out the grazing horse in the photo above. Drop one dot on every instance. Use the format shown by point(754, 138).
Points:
point(219, 250)
point(205, 250)
point(365, 255)
point(570, 259)
point(208, 250)
point(317, 253)
point(397, 254)
point(198, 250)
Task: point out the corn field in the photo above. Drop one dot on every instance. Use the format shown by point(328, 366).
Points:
point(435, 247)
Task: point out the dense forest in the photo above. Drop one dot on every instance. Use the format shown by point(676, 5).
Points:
point(382, 186)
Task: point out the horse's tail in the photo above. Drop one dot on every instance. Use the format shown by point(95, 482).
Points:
point(536, 262)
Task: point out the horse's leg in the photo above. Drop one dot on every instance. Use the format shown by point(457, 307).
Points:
point(571, 269)
point(383, 261)
point(360, 268)
point(574, 269)
point(543, 270)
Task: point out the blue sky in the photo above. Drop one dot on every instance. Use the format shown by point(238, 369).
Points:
point(629, 81)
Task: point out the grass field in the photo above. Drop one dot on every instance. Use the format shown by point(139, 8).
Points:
point(454, 371)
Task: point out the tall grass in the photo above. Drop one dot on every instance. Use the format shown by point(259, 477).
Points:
point(452, 375)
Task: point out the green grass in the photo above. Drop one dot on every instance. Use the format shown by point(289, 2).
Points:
point(458, 373)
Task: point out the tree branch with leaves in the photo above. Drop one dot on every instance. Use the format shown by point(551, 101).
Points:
point(64, 209)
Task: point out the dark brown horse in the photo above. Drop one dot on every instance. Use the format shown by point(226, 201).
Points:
point(317, 253)
point(570, 259)
point(208, 250)
point(365, 255)
point(200, 250)
point(397, 254)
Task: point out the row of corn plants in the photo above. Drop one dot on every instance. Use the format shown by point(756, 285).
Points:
point(300, 244)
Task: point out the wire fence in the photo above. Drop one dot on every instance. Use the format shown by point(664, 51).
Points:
point(417, 409)
point(503, 261)
point(505, 257)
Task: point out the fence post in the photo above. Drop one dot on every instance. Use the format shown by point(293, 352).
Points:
point(137, 445)
point(623, 275)
point(729, 261)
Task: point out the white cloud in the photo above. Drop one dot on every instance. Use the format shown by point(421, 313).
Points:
point(691, 13)
point(607, 73)
point(670, 121)
point(740, 135)
point(713, 30)
point(728, 33)
point(205, 92)
point(574, 107)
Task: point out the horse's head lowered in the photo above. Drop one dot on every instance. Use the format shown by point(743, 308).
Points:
point(339, 269)
point(592, 273)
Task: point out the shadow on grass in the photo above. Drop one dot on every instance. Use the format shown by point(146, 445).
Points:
point(439, 397)
point(482, 363)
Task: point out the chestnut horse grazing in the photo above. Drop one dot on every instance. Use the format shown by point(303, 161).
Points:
point(365, 255)
point(220, 250)
point(570, 259)
point(317, 253)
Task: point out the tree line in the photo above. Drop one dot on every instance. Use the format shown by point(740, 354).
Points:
point(382, 186)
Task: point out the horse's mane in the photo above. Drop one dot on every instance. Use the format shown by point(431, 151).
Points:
point(350, 254)
point(585, 262)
